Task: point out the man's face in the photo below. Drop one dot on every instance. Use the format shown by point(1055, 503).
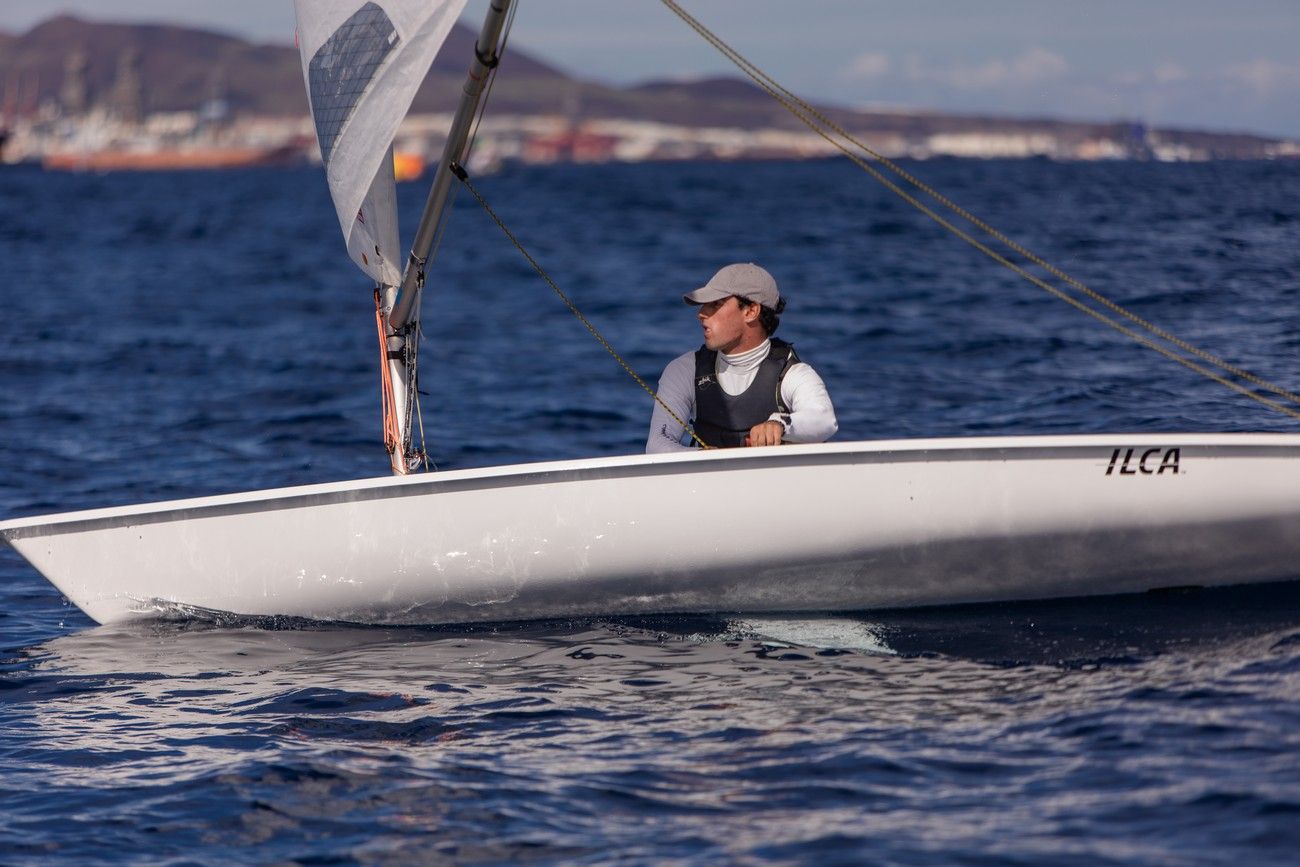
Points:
point(725, 322)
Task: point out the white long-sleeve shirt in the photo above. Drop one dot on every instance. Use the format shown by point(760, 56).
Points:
point(811, 418)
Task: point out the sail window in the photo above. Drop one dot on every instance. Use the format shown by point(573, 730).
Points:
point(342, 69)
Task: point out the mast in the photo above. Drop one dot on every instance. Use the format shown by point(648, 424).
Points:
point(400, 304)
point(396, 376)
point(362, 64)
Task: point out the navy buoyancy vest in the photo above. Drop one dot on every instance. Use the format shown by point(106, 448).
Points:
point(723, 420)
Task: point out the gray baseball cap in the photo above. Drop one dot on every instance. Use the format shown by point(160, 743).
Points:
point(744, 279)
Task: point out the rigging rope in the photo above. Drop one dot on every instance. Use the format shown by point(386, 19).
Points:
point(460, 172)
point(820, 124)
point(414, 457)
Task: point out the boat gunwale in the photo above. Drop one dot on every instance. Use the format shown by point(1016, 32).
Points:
point(999, 448)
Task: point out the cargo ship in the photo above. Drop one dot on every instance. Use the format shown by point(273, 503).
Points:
point(174, 160)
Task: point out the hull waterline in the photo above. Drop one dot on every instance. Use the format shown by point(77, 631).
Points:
point(835, 527)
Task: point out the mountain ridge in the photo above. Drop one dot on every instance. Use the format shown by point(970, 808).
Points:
point(182, 67)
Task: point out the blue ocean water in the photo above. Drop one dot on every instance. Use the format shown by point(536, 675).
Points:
point(178, 335)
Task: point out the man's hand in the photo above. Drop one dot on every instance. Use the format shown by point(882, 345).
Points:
point(768, 433)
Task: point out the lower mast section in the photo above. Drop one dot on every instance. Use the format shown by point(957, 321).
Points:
point(397, 377)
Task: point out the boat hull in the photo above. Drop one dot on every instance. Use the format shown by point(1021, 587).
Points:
point(832, 527)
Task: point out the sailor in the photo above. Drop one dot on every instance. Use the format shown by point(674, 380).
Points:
point(743, 387)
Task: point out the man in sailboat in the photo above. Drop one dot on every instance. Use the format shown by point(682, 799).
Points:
point(743, 387)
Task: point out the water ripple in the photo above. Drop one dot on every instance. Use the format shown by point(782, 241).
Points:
point(218, 341)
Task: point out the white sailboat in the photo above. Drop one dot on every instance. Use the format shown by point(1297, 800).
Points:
point(896, 523)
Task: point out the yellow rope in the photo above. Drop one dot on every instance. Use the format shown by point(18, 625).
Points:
point(806, 113)
point(573, 308)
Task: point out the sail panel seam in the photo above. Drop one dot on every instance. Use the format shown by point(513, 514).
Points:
point(344, 67)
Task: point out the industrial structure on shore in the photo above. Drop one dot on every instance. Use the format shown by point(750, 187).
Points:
point(77, 95)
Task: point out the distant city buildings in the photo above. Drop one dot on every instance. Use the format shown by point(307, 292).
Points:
point(104, 138)
point(115, 129)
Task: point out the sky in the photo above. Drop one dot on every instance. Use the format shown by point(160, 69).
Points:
point(1205, 64)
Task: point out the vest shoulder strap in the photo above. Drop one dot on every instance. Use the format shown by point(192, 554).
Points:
point(706, 360)
point(785, 354)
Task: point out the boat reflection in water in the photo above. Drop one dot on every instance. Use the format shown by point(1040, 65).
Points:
point(182, 681)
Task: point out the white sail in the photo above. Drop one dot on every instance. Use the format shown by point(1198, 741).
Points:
point(363, 61)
